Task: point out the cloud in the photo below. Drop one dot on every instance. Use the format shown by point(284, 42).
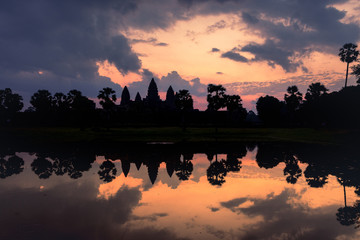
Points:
point(63, 41)
point(216, 26)
point(234, 56)
point(215, 50)
point(291, 29)
point(173, 79)
point(332, 81)
point(219, 73)
point(152, 41)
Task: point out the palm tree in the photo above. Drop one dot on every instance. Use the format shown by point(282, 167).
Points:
point(107, 98)
point(348, 54)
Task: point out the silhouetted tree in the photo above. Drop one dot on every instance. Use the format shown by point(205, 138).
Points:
point(293, 98)
point(269, 110)
point(107, 98)
point(78, 102)
point(356, 72)
point(216, 97)
point(60, 102)
point(184, 101)
point(315, 91)
point(348, 54)
point(233, 102)
point(10, 102)
point(42, 101)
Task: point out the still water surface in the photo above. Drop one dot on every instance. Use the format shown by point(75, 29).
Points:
point(252, 191)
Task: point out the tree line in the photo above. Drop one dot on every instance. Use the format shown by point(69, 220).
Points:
point(317, 108)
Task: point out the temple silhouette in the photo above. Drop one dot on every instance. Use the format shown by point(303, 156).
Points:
point(151, 101)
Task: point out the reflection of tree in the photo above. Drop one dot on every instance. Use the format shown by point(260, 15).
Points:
point(42, 167)
point(268, 156)
point(107, 171)
point(216, 172)
point(347, 216)
point(184, 167)
point(315, 177)
point(62, 166)
point(292, 169)
point(232, 163)
point(14, 165)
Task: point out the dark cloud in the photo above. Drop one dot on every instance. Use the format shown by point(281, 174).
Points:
point(216, 26)
point(291, 29)
point(152, 41)
point(215, 50)
point(152, 218)
point(219, 73)
point(234, 56)
point(63, 40)
point(231, 204)
point(171, 79)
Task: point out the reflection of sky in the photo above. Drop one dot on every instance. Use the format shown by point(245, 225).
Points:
point(252, 204)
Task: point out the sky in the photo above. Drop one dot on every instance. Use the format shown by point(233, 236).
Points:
point(253, 48)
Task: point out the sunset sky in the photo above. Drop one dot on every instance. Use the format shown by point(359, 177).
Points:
point(252, 47)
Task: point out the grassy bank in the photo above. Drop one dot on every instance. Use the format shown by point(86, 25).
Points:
point(173, 134)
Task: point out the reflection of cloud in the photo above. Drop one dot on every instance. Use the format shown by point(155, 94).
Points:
point(233, 203)
point(285, 219)
point(67, 210)
point(152, 218)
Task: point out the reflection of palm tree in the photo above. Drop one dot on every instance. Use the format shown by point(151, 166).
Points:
point(184, 168)
point(42, 167)
point(107, 171)
point(216, 172)
point(346, 215)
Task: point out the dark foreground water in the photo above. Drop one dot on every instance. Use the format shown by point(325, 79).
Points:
point(255, 191)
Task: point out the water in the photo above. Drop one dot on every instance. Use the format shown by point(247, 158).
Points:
point(256, 191)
